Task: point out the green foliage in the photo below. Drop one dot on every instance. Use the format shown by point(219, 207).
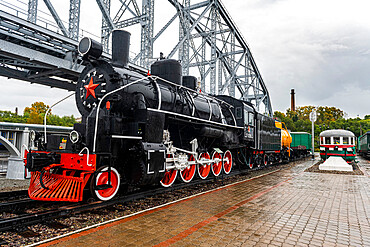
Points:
point(61, 121)
point(35, 115)
point(327, 118)
point(8, 116)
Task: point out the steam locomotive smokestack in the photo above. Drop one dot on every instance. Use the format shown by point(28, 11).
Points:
point(120, 47)
point(292, 100)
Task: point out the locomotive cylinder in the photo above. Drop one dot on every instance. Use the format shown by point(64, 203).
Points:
point(211, 132)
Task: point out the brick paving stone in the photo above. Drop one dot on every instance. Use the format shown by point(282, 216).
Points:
point(288, 245)
point(279, 239)
point(355, 242)
point(318, 238)
point(261, 245)
point(341, 245)
point(276, 243)
point(291, 239)
point(289, 242)
point(299, 244)
point(366, 243)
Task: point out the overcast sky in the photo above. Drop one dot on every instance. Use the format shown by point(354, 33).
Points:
point(321, 48)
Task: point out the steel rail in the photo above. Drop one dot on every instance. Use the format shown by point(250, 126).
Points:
point(12, 194)
point(14, 205)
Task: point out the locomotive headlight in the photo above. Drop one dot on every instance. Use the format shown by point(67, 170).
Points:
point(74, 136)
point(32, 135)
point(90, 48)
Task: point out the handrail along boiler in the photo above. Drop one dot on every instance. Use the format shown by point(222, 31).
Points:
point(144, 129)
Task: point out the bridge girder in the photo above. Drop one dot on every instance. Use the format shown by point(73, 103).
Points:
point(209, 45)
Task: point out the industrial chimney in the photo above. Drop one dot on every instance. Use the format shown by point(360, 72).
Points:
point(292, 100)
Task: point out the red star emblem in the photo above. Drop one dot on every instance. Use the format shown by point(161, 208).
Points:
point(90, 89)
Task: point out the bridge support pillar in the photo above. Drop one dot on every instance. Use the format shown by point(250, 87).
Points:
point(16, 168)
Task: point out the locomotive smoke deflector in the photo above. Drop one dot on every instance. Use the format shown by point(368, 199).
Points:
point(90, 48)
point(120, 47)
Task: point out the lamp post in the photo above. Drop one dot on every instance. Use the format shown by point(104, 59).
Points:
point(313, 117)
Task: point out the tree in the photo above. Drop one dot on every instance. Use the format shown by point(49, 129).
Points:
point(36, 113)
point(302, 112)
point(279, 115)
point(329, 114)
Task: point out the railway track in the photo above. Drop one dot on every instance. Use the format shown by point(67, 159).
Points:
point(6, 195)
point(14, 205)
point(22, 220)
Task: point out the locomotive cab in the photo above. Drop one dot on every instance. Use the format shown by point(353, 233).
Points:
point(244, 116)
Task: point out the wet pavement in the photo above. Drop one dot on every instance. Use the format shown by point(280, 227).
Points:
point(364, 166)
point(287, 207)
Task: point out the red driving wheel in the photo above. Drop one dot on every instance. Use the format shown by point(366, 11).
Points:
point(169, 177)
point(204, 169)
point(217, 166)
point(227, 161)
point(188, 173)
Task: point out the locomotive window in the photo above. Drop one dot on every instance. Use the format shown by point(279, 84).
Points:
point(336, 140)
point(246, 117)
point(322, 140)
point(250, 119)
point(327, 140)
point(238, 113)
point(345, 140)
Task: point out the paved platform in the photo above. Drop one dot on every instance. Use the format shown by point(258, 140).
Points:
point(283, 208)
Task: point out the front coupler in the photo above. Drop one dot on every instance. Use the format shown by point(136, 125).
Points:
point(37, 161)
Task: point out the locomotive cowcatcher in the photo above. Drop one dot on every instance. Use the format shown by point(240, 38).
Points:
point(141, 129)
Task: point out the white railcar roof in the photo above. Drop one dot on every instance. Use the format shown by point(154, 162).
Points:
point(337, 132)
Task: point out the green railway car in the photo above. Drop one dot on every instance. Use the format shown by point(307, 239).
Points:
point(301, 144)
point(364, 145)
point(338, 142)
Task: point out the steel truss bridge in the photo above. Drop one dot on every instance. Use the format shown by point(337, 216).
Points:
point(201, 34)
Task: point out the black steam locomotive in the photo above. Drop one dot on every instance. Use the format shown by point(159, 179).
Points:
point(143, 129)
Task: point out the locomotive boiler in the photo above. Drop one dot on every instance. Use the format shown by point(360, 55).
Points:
point(141, 129)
